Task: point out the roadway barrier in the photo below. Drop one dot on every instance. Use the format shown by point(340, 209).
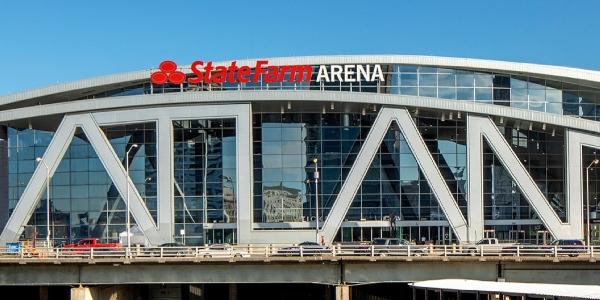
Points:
point(220, 251)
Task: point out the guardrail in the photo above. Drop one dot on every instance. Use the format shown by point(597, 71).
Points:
point(266, 251)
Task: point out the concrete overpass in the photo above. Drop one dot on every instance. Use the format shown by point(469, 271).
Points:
point(339, 272)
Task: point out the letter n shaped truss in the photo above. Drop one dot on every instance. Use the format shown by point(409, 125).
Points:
point(479, 127)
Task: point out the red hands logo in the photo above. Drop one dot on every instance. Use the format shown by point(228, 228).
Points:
point(168, 73)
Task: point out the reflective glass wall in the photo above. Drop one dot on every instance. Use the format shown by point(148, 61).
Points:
point(83, 200)
point(394, 199)
point(205, 181)
point(285, 146)
point(395, 192)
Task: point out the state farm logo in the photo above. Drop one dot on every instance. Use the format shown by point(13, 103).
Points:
point(168, 73)
point(261, 71)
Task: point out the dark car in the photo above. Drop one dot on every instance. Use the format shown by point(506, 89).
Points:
point(171, 249)
point(569, 247)
point(391, 246)
point(304, 248)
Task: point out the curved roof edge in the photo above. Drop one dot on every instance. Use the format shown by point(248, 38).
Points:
point(582, 76)
point(124, 102)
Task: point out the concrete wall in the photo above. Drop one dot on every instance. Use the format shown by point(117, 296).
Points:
point(330, 272)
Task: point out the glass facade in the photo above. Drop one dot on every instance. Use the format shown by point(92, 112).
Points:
point(393, 200)
point(394, 187)
point(543, 156)
point(205, 180)
point(83, 200)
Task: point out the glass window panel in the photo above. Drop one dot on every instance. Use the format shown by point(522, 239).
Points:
point(465, 93)
point(483, 80)
point(408, 79)
point(427, 79)
point(428, 92)
point(465, 80)
point(447, 80)
point(409, 91)
point(447, 93)
point(483, 94)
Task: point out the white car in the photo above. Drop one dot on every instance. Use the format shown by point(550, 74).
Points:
point(222, 251)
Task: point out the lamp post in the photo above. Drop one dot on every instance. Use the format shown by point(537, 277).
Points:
point(316, 175)
point(127, 197)
point(587, 179)
point(40, 160)
point(204, 179)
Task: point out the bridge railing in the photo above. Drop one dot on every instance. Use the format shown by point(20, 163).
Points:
point(268, 251)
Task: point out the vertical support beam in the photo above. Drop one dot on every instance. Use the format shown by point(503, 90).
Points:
point(3, 176)
point(475, 183)
point(84, 293)
point(164, 144)
point(342, 292)
point(43, 292)
point(233, 291)
point(245, 175)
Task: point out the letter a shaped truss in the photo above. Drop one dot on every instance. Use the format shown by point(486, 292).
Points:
point(424, 159)
point(479, 127)
point(52, 157)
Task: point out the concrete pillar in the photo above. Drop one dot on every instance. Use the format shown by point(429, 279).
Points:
point(43, 293)
point(342, 292)
point(84, 293)
point(114, 292)
point(233, 291)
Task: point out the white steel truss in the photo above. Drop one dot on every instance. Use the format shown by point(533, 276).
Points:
point(469, 229)
point(478, 128)
point(90, 124)
point(365, 158)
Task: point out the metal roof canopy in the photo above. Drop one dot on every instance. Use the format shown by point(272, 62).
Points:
point(513, 288)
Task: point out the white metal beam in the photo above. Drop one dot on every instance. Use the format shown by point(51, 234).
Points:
point(479, 126)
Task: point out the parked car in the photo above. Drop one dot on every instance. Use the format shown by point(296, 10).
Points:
point(86, 244)
point(221, 251)
point(568, 247)
point(523, 249)
point(304, 248)
point(171, 249)
point(487, 246)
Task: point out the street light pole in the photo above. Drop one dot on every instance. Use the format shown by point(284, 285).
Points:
point(316, 175)
point(127, 197)
point(587, 179)
point(39, 159)
point(204, 179)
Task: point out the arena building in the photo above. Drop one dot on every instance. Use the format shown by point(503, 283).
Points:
point(327, 148)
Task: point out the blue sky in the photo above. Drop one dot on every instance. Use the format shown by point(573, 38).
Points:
point(47, 42)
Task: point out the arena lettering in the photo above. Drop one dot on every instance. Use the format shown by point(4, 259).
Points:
point(349, 73)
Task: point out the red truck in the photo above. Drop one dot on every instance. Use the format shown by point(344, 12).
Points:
point(92, 243)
